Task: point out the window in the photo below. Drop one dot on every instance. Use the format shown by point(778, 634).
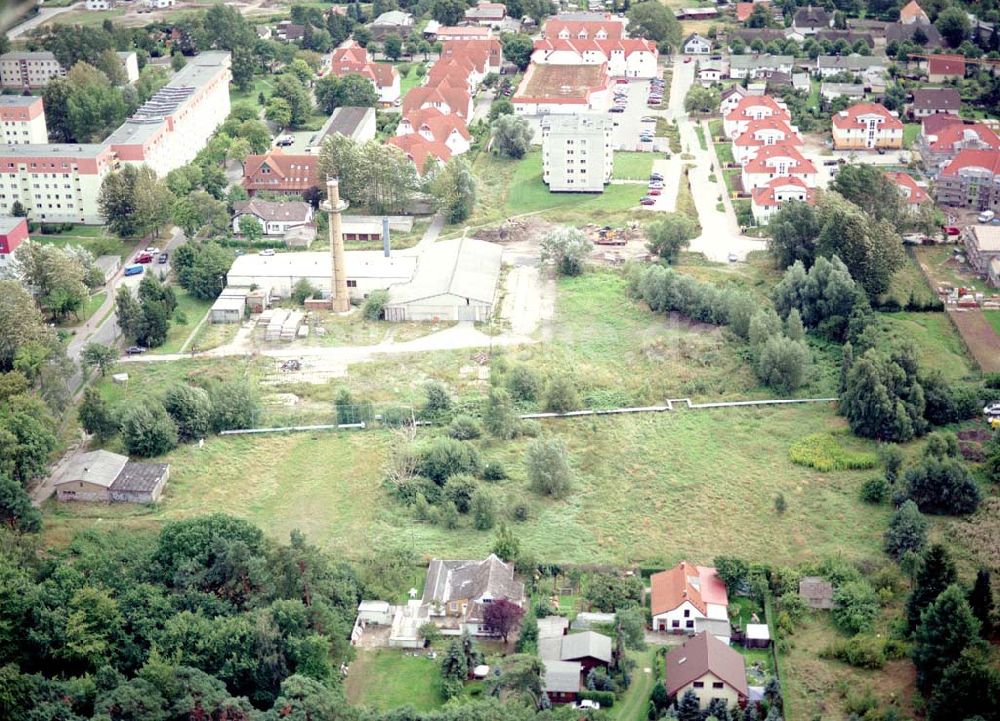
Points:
point(699, 684)
point(352, 284)
point(689, 624)
point(687, 613)
point(717, 684)
point(675, 624)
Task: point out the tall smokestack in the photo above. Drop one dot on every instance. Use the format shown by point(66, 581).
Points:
point(385, 236)
point(340, 301)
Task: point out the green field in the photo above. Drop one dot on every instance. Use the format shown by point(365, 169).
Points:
point(193, 309)
point(939, 345)
point(725, 153)
point(910, 133)
point(632, 166)
point(634, 703)
point(387, 678)
point(699, 131)
point(91, 237)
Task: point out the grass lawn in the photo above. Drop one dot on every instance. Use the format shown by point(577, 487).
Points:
point(939, 346)
point(389, 678)
point(411, 79)
point(633, 704)
point(725, 153)
point(93, 238)
point(814, 87)
point(700, 132)
point(194, 310)
point(993, 318)
point(715, 127)
point(261, 84)
point(908, 282)
point(633, 166)
point(910, 133)
point(93, 304)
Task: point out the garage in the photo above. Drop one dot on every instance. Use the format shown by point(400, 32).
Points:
point(454, 280)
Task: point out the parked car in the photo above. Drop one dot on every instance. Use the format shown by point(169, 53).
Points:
point(648, 119)
point(733, 258)
point(654, 191)
point(647, 200)
point(135, 350)
point(986, 216)
point(134, 270)
point(655, 184)
point(617, 109)
point(656, 176)
point(152, 250)
point(267, 252)
point(687, 59)
point(950, 230)
point(284, 141)
point(144, 258)
point(646, 138)
point(164, 257)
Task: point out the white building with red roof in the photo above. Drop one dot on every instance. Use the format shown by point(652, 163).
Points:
point(913, 195)
point(684, 593)
point(971, 180)
point(449, 100)
point(943, 139)
point(867, 126)
point(466, 60)
point(625, 58)
point(352, 59)
point(434, 126)
point(750, 108)
point(762, 133)
point(913, 14)
point(767, 199)
point(608, 28)
point(776, 161)
point(462, 32)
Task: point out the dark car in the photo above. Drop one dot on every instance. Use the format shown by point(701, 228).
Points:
point(135, 350)
point(163, 258)
point(617, 109)
point(656, 177)
point(646, 200)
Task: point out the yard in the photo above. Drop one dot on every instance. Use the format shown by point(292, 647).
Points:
point(189, 309)
point(94, 238)
point(634, 703)
point(389, 678)
point(939, 347)
point(910, 133)
point(632, 166)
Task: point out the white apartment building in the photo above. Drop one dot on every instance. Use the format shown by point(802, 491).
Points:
point(577, 155)
point(169, 129)
point(28, 69)
point(22, 120)
point(55, 183)
point(100, 4)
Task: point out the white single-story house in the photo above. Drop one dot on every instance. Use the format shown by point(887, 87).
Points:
point(274, 218)
point(695, 44)
point(378, 613)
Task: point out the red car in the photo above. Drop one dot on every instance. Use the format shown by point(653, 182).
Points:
point(950, 230)
point(144, 258)
point(654, 191)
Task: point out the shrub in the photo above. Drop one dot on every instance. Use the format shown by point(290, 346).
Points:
point(483, 507)
point(561, 396)
point(824, 452)
point(942, 486)
point(438, 399)
point(459, 489)
point(520, 511)
point(465, 428)
point(780, 504)
point(907, 531)
point(523, 384)
point(191, 410)
point(548, 467)
point(494, 471)
point(605, 698)
point(875, 490)
point(234, 405)
point(892, 459)
point(499, 417)
point(397, 416)
point(375, 303)
point(302, 290)
point(855, 607)
point(147, 430)
point(444, 457)
point(859, 651)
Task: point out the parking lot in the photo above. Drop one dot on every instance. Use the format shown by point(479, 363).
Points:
point(629, 124)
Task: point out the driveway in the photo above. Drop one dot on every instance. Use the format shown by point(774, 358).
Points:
point(44, 15)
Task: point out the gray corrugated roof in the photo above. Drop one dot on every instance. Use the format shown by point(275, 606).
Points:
point(561, 676)
point(550, 648)
point(463, 267)
point(139, 477)
point(346, 121)
point(586, 645)
point(759, 61)
point(552, 626)
point(850, 62)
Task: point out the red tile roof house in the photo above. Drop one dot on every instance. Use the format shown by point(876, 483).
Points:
point(13, 232)
point(767, 200)
point(433, 125)
point(352, 59)
point(276, 172)
point(752, 107)
point(607, 29)
point(449, 100)
point(708, 668)
point(467, 60)
point(684, 593)
point(761, 133)
point(945, 136)
point(941, 68)
point(913, 194)
point(866, 126)
point(971, 180)
point(419, 150)
point(912, 13)
point(776, 161)
point(626, 58)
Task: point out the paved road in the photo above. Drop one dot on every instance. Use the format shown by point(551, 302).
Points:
point(44, 15)
point(720, 235)
point(427, 239)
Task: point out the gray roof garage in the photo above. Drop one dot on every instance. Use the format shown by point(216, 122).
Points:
point(454, 280)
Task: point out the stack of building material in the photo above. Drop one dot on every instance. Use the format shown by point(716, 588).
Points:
point(290, 327)
point(275, 325)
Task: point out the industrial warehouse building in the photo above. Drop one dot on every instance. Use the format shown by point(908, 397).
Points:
point(454, 280)
point(367, 270)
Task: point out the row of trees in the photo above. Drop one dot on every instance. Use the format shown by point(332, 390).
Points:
point(146, 319)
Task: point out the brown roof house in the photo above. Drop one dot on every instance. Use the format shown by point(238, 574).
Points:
point(457, 593)
point(816, 592)
point(110, 478)
point(684, 593)
point(931, 101)
point(709, 668)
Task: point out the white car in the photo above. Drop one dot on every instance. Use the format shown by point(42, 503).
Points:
point(152, 250)
point(588, 704)
point(267, 252)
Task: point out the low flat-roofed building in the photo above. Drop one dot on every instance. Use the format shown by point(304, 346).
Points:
point(562, 90)
point(366, 271)
point(982, 246)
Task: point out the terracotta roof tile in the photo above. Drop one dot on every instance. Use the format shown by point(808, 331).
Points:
point(760, 165)
point(913, 193)
point(989, 160)
point(850, 118)
point(685, 582)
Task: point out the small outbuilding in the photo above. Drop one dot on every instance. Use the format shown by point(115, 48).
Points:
point(758, 635)
point(561, 681)
point(375, 612)
point(108, 477)
point(230, 306)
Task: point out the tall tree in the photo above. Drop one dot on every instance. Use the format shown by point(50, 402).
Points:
point(96, 416)
point(936, 573)
point(669, 234)
point(511, 136)
point(351, 90)
point(981, 600)
point(454, 189)
point(652, 20)
point(21, 322)
point(501, 616)
point(947, 628)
